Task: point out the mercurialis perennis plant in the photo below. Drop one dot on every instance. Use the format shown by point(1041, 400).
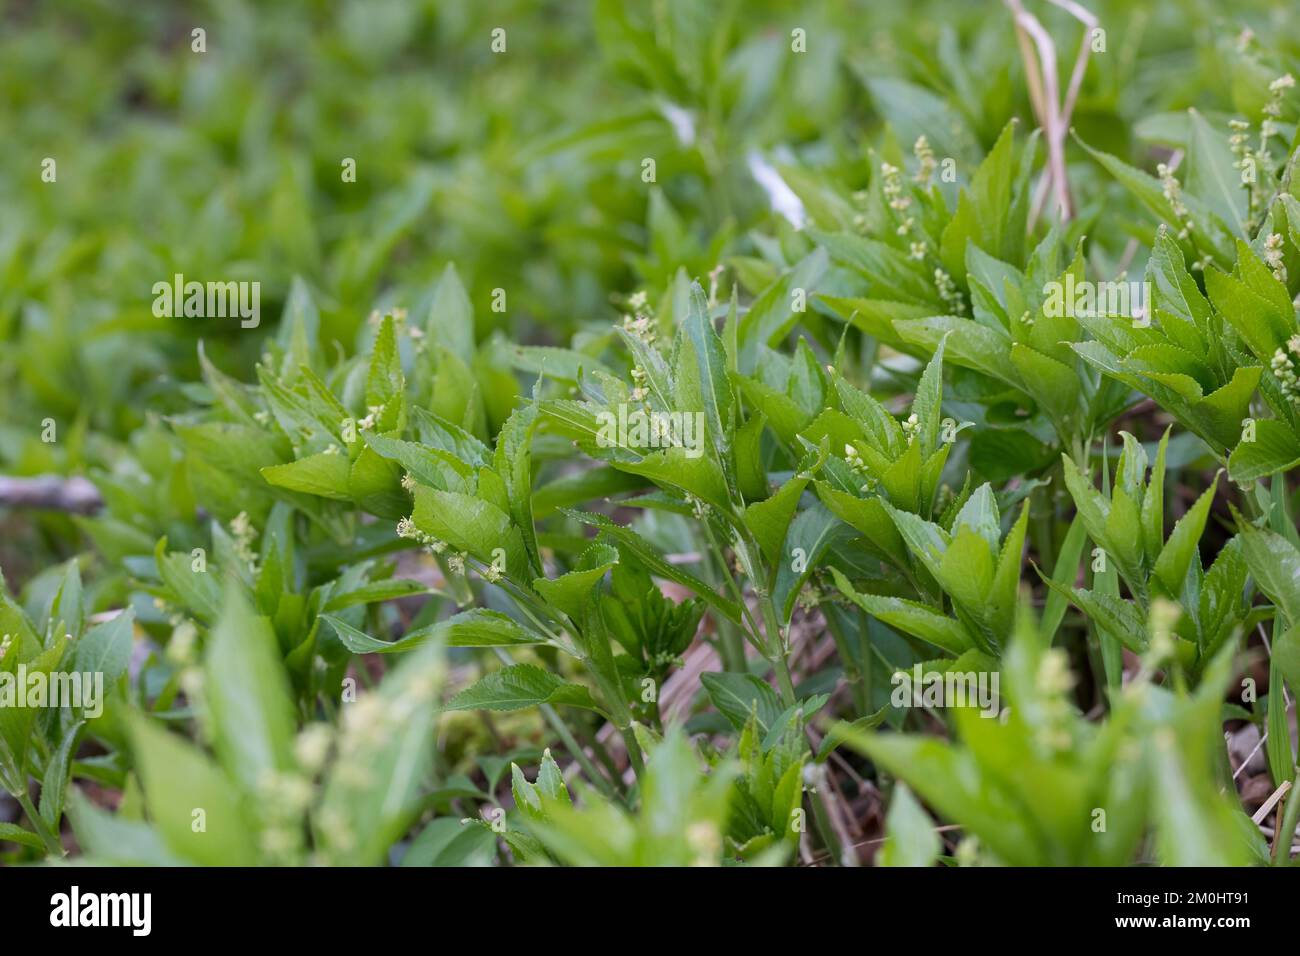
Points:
point(695, 433)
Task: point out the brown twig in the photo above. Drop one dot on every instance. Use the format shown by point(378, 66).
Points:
point(50, 493)
point(1052, 110)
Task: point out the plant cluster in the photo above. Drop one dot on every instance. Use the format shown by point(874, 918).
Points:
point(885, 473)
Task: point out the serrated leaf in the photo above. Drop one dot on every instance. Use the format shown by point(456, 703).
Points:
point(711, 358)
point(1275, 448)
point(476, 627)
point(910, 617)
point(518, 686)
point(739, 696)
point(324, 474)
point(106, 647)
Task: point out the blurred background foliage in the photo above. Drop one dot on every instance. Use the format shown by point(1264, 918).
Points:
point(524, 167)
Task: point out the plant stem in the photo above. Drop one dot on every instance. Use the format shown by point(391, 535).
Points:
point(852, 666)
point(732, 644)
point(1288, 813)
point(552, 717)
point(602, 754)
point(777, 650)
point(633, 751)
point(557, 724)
point(729, 580)
point(788, 696)
point(51, 841)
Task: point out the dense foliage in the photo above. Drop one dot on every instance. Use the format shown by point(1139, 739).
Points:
point(650, 406)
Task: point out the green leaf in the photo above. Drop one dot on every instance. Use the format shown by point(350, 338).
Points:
point(112, 838)
point(1176, 292)
point(442, 435)
point(782, 413)
point(840, 732)
point(771, 315)
point(1000, 234)
point(1063, 576)
point(740, 696)
point(324, 474)
point(12, 833)
point(1275, 448)
point(513, 462)
point(1286, 655)
point(106, 648)
point(372, 794)
point(1212, 176)
point(680, 468)
point(646, 554)
point(950, 780)
point(1275, 565)
point(910, 617)
point(1194, 824)
point(868, 516)
point(1093, 508)
point(926, 540)
point(881, 428)
point(247, 695)
point(1119, 618)
point(715, 387)
point(1218, 416)
point(1153, 502)
point(448, 842)
point(769, 520)
point(469, 524)
point(910, 839)
point(179, 781)
point(572, 591)
point(434, 467)
point(566, 365)
point(1005, 591)
point(373, 592)
point(58, 772)
point(518, 686)
point(375, 486)
point(1171, 567)
point(966, 572)
point(1053, 385)
point(926, 404)
point(68, 607)
point(1146, 188)
point(450, 321)
point(198, 591)
point(1250, 314)
point(914, 110)
point(476, 627)
point(969, 344)
point(534, 799)
point(385, 382)
point(1281, 758)
point(17, 738)
point(811, 534)
point(980, 514)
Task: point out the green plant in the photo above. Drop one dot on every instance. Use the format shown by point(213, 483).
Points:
point(683, 422)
